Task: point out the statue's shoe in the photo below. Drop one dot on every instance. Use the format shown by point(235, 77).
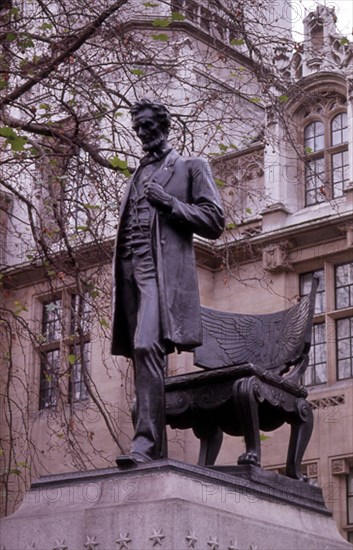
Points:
point(131, 460)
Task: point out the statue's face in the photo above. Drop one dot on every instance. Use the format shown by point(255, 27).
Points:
point(148, 130)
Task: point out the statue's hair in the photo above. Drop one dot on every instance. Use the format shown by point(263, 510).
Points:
point(156, 106)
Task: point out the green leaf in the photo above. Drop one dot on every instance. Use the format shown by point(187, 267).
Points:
point(19, 307)
point(11, 36)
point(220, 183)
point(223, 147)
point(161, 23)
point(160, 37)
point(237, 42)
point(46, 26)
point(71, 359)
point(308, 150)
point(150, 5)
point(22, 464)
point(3, 84)
point(104, 323)
point(248, 210)
point(177, 16)
point(116, 162)
point(26, 43)
point(82, 227)
point(91, 206)
point(283, 98)
point(7, 132)
point(15, 12)
point(137, 72)
point(230, 225)
point(255, 99)
point(18, 143)
point(344, 41)
point(44, 106)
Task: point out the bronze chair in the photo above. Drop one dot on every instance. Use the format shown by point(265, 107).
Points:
point(251, 381)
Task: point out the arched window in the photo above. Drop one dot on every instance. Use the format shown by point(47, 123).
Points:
point(326, 152)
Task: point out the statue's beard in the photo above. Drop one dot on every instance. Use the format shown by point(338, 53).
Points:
point(154, 144)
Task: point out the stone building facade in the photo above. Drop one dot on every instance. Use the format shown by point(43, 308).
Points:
point(288, 196)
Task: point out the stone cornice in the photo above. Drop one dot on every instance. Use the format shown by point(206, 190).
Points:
point(194, 30)
point(209, 255)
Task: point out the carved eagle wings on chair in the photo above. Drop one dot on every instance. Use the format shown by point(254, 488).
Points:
point(271, 342)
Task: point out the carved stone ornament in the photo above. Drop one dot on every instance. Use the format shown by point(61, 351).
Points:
point(233, 546)
point(123, 541)
point(325, 402)
point(91, 543)
point(60, 545)
point(213, 543)
point(313, 469)
point(350, 88)
point(191, 539)
point(347, 229)
point(275, 257)
point(157, 537)
point(339, 467)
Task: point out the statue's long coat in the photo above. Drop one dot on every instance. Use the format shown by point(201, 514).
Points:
point(196, 209)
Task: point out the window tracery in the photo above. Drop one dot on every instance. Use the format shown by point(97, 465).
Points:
point(325, 142)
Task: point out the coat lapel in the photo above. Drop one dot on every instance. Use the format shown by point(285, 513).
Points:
point(163, 175)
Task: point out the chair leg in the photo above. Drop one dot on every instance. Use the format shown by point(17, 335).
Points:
point(301, 431)
point(210, 444)
point(245, 393)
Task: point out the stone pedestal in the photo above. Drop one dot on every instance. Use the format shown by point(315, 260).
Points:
point(171, 505)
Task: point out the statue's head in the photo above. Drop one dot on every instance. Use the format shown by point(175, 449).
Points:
point(151, 122)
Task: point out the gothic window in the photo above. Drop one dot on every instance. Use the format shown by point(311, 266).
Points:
point(79, 350)
point(64, 351)
point(333, 324)
point(50, 353)
point(326, 152)
point(344, 327)
point(316, 372)
point(207, 16)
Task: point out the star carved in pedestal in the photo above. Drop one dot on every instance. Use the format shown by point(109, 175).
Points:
point(191, 538)
point(123, 541)
point(233, 546)
point(253, 547)
point(60, 545)
point(213, 543)
point(30, 546)
point(157, 537)
point(91, 543)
